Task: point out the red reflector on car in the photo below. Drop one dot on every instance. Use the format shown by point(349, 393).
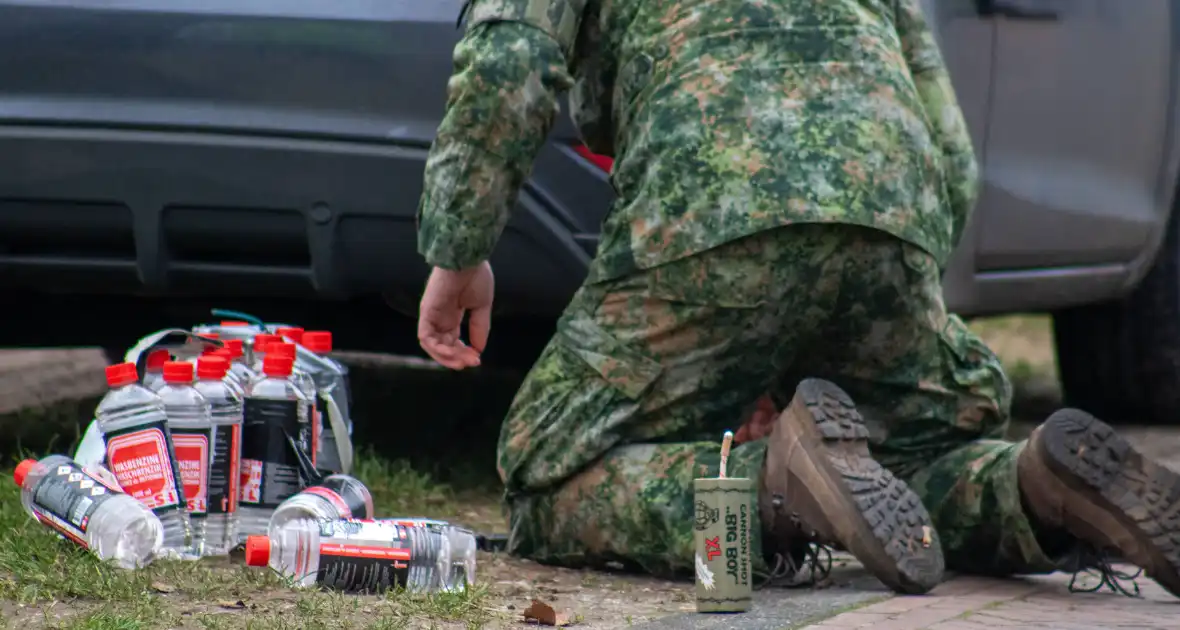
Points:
point(601, 161)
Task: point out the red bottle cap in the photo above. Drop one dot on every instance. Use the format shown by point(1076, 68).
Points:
point(291, 332)
point(279, 349)
point(212, 367)
point(234, 322)
point(22, 471)
point(277, 366)
point(157, 358)
point(264, 340)
point(178, 372)
point(121, 374)
point(257, 551)
point(318, 341)
point(234, 347)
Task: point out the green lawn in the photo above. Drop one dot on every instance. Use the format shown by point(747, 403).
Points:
point(46, 582)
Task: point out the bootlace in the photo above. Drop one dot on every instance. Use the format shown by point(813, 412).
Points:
point(814, 568)
point(1089, 560)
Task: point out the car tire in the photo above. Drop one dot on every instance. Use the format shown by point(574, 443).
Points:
point(1120, 360)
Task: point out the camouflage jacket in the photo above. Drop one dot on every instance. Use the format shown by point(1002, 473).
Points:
point(725, 118)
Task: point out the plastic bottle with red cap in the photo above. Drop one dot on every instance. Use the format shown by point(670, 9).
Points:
point(239, 371)
point(290, 333)
point(310, 415)
point(140, 452)
point(225, 411)
point(331, 382)
point(153, 374)
point(357, 556)
point(271, 430)
point(258, 350)
point(192, 440)
point(86, 506)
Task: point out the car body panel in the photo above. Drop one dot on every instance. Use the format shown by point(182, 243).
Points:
point(266, 147)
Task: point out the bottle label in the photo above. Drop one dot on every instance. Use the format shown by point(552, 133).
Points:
point(141, 458)
point(192, 454)
point(67, 496)
point(225, 470)
point(366, 556)
point(270, 469)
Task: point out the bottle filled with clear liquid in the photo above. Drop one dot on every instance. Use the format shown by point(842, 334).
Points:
point(302, 380)
point(239, 372)
point(139, 451)
point(462, 542)
point(153, 372)
point(258, 351)
point(336, 497)
point(192, 441)
point(86, 506)
point(331, 383)
point(271, 427)
point(225, 410)
point(355, 555)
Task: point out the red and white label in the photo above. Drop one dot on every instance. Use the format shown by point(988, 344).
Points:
point(141, 463)
point(192, 455)
point(362, 551)
point(336, 500)
point(251, 480)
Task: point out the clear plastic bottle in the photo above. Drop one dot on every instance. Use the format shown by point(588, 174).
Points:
point(238, 369)
point(153, 373)
point(336, 497)
point(290, 333)
point(225, 407)
point(310, 438)
point(463, 545)
point(192, 440)
point(140, 451)
point(86, 506)
point(354, 555)
point(258, 350)
point(332, 399)
point(271, 424)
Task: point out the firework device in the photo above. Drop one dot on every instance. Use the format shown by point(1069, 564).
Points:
point(721, 530)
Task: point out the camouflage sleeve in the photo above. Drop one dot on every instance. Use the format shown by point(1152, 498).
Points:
point(510, 67)
point(947, 124)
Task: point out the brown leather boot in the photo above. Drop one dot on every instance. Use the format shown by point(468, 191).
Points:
point(821, 486)
point(1077, 474)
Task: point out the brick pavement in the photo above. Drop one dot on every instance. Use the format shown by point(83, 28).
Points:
point(1035, 603)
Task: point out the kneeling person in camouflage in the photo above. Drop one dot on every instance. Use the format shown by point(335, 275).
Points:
point(792, 176)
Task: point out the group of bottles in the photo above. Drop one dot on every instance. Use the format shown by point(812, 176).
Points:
point(213, 456)
point(232, 448)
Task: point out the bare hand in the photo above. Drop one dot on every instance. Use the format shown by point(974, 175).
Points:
point(449, 295)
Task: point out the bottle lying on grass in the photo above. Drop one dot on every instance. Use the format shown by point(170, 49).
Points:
point(334, 498)
point(368, 556)
point(87, 507)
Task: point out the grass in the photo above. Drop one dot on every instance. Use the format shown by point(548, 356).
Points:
point(47, 582)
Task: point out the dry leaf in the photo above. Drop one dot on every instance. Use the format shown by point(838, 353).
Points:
point(161, 587)
point(544, 614)
point(238, 605)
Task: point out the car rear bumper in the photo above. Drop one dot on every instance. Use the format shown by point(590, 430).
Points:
point(167, 212)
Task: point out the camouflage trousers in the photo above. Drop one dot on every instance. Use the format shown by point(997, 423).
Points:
point(626, 405)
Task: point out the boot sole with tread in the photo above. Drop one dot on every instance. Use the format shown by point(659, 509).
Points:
point(1097, 465)
point(891, 533)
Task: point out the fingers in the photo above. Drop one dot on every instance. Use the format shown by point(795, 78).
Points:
point(444, 346)
point(479, 326)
